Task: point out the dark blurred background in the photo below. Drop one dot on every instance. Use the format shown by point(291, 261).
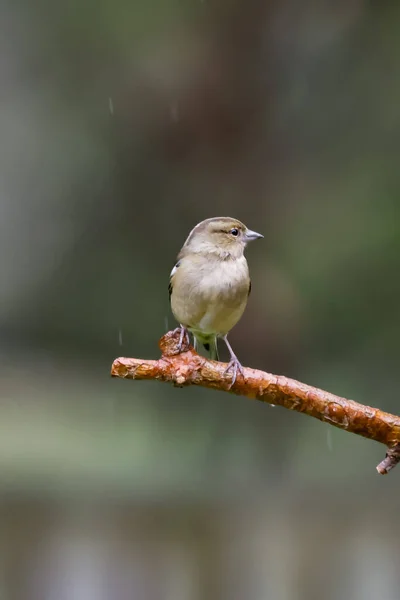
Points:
point(122, 125)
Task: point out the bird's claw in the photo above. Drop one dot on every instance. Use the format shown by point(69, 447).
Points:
point(235, 366)
point(183, 334)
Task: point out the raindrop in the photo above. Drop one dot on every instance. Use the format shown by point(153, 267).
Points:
point(111, 106)
point(166, 323)
point(120, 337)
point(329, 440)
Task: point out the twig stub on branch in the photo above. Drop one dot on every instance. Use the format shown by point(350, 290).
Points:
point(189, 368)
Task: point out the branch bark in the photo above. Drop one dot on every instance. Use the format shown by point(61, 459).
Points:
point(189, 368)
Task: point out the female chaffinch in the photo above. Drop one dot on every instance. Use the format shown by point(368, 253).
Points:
point(210, 284)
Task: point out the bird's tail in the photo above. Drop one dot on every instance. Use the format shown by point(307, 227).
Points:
point(212, 348)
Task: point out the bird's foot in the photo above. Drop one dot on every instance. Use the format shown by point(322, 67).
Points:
point(234, 366)
point(183, 335)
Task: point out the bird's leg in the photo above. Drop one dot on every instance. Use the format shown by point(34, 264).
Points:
point(183, 334)
point(234, 363)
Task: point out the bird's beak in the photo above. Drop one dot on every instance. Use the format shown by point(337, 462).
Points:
point(252, 235)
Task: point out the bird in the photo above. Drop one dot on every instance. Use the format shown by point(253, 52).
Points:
point(210, 284)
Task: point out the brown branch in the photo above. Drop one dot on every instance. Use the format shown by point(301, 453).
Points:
point(189, 368)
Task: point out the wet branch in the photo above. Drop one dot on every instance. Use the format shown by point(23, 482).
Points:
point(189, 368)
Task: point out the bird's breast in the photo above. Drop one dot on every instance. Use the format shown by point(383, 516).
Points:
point(212, 297)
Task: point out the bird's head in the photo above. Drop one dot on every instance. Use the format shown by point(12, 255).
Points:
point(224, 236)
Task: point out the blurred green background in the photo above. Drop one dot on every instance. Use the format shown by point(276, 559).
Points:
point(122, 125)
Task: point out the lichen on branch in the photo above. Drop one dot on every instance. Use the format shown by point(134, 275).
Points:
point(189, 368)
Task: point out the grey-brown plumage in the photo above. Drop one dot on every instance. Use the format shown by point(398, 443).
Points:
point(210, 283)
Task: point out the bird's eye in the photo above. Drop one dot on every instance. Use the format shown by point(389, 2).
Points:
point(234, 231)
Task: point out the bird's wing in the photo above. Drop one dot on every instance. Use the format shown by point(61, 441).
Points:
point(171, 278)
